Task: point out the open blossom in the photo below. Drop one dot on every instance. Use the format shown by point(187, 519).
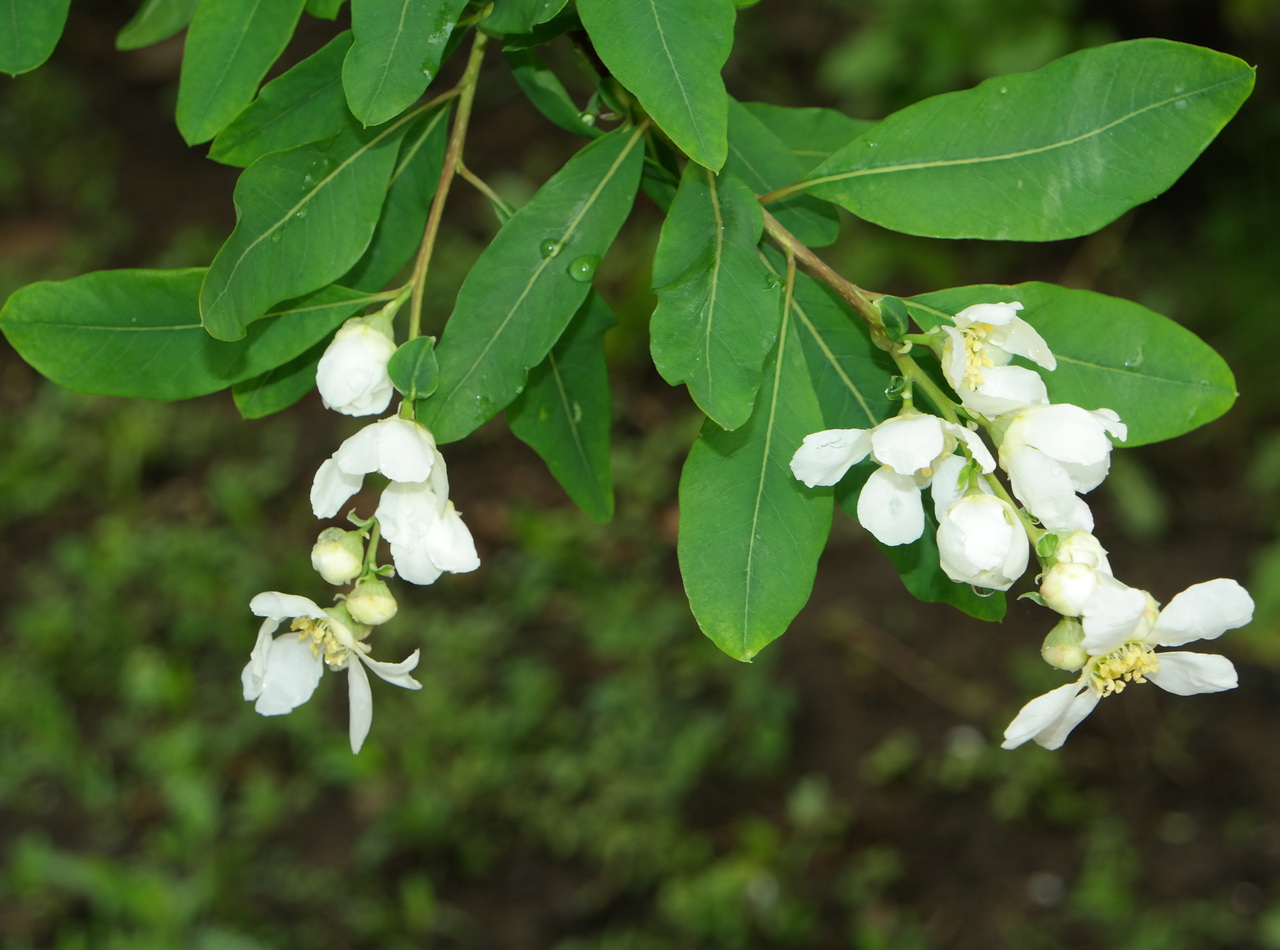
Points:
point(976, 355)
point(1122, 628)
point(1053, 452)
point(906, 448)
point(981, 540)
point(352, 374)
point(425, 531)
point(283, 671)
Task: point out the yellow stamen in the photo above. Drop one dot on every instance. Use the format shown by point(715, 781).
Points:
point(335, 654)
point(1132, 663)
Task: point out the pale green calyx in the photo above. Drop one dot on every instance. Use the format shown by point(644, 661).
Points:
point(1062, 647)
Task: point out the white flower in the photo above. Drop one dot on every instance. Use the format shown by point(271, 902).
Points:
point(976, 355)
point(425, 531)
point(1053, 452)
point(1074, 577)
point(352, 373)
point(906, 447)
point(982, 542)
point(1120, 636)
point(284, 671)
point(400, 449)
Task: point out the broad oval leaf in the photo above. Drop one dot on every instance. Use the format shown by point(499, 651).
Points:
point(304, 218)
point(750, 532)
point(529, 282)
point(138, 333)
point(304, 105)
point(397, 51)
point(278, 389)
point(719, 306)
point(543, 88)
point(156, 20)
point(520, 16)
point(812, 134)
point(229, 48)
point(1040, 156)
point(1112, 353)
point(413, 368)
point(669, 53)
point(30, 31)
point(564, 413)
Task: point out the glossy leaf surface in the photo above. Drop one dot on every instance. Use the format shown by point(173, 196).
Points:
point(156, 20)
point(30, 30)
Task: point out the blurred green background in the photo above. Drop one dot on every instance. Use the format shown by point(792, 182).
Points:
point(582, 768)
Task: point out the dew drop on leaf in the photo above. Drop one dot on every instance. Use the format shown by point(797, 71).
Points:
point(550, 247)
point(275, 237)
point(584, 268)
point(300, 213)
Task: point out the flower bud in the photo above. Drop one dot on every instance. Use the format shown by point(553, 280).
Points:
point(337, 555)
point(1080, 547)
point(371, 602)
point(981, 542)
point(352, 374)
point(1067, 587)
point(1061, 648)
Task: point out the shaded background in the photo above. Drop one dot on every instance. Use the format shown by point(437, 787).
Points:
point(582, 768)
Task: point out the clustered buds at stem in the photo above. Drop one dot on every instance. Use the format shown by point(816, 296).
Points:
point(338, 556)
point(1052, 453)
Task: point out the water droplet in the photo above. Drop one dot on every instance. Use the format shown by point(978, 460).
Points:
point(307, 179)
point(550, 247)
point(1180, 104)
point(587, 118)
point(300, 213)
point(1004, 89)
point(983, 592)
point(1135, 360)
point(773, 282)
point(275, 237)
point(873, 145)
point(584, 268)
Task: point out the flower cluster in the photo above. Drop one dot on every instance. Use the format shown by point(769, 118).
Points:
point(1052, 454)
point(426, 535)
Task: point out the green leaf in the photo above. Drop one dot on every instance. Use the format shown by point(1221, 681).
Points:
point(404, 213)
point(897, 321)
point(760, 159)
point(397, 51)
point(543, 88)
point(304, 218)
point(138, 333)
point(30, 32)
point(156, 20)
point(718, 308)
point(750, 532)
point(529, 282)
point(812, 134)
point(520, 16)
point(564, 413)
point(325, 9)
point(304, 105)
point(1161, 378)
point(413, 368)
point(278, 388)
point(669, 53)
point(1040, 156)
point(230, 46)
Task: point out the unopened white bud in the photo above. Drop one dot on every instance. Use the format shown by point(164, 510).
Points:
point(371, 602)
point(352, 374)
point(337, 555)
point(1061, 648)
point(1067, 587)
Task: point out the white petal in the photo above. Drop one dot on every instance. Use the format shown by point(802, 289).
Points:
point(995, 314)
point(360, 701)
point(1187, 674)
point(352, 374)
point(1021, 339)
point(907, 444)
point(945, 485)
point(450, 545)
point(1109, 419)
point(890, 507)
point(1069, 434)
point(280, 606)
point(358, 454)
point(1045, 489)
point(824, 457)
point(955, 357)
point(1056, 733)
point(396, 673)
point(331, 488)
point(407, 451)
point(292, 673)
point(1111, 615)
point(1203, 612)
point(1005, 389)
point(981, 543)
point(407, 511)
point(414, 564)
point(256, 669)
point(977, 448)
point(1041, 714)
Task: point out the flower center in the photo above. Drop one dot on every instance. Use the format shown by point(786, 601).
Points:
point(1129, 664)
point(323, 642)
point(975, 354)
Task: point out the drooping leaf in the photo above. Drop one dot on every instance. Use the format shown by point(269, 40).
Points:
point(564, 413)
point(229, 48)
point(1040, 156)
point(529, 282)
point(325, 9)
point(520, 16)
point(1160, 377)
point(138, 333)
point(396, 53)
point(548, 95)
point(30, 31)
point(404, 213)
point(156, 20)
point(278, 389)
point(718, 308)
point(304, 218)
point(764, 163)
point(670, 53)
point(413, 368)
point(750, 532)
point(304, 105)
point(812, 134)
